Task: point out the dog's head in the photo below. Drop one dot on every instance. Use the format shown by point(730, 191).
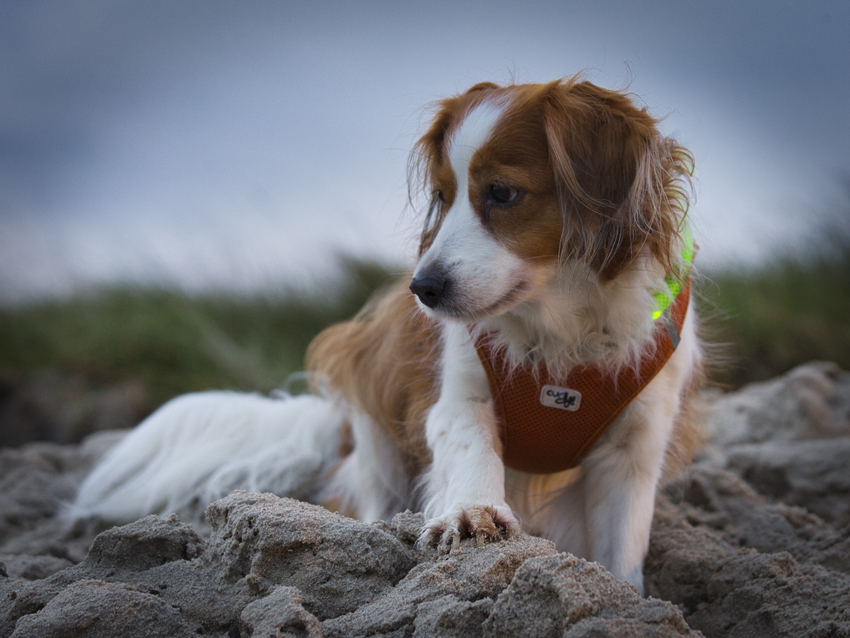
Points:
point(526, 180)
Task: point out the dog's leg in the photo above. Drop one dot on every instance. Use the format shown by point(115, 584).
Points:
point(620, 496)
point(371, 483)
point(466, 482)
point(560, 516)
point(621, 474)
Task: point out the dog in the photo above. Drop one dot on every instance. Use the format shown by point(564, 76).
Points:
point(555, 254)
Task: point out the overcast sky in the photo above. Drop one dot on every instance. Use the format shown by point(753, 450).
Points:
point(245, 144)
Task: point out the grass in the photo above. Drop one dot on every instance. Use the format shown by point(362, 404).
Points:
point(176, 343)
point(770, 318)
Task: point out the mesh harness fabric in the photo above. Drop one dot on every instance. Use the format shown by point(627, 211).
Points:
point(548, 424)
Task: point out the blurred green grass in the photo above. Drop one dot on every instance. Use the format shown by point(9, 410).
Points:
point(766, 319)
point(175, 343)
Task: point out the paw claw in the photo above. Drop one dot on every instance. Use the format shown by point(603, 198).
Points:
point(481, 539)
point(484, 524)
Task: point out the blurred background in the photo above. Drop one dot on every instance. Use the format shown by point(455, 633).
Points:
point(190, 190)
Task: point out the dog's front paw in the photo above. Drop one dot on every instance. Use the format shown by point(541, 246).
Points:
point(484, 523)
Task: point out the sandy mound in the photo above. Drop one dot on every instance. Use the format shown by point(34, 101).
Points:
point(753, 541)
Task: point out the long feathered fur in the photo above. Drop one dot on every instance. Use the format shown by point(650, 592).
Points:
point(560, 263)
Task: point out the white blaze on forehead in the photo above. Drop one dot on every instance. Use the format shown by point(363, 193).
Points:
point(473, 133)
point(481, 272)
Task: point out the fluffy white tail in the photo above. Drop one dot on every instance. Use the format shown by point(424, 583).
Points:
point(199, 447)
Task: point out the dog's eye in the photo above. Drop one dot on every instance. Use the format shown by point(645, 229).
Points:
point(502, 193)
point(439, 195)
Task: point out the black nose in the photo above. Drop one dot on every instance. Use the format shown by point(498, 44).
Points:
point(428, 288)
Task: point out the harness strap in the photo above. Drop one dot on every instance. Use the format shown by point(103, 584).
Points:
point(548, 424)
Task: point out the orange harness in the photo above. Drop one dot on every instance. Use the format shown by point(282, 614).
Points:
point(548, 425)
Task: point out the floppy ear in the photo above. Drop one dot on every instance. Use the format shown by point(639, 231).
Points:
point(481, 86)
point(612, 168)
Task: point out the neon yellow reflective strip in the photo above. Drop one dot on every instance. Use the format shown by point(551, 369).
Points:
point(664, 300)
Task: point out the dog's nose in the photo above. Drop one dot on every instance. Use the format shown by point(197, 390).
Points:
point(428, 288)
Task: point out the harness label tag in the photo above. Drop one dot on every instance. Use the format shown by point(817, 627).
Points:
point(562, 398)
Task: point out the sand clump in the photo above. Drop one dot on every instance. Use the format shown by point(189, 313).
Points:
point(753, 541)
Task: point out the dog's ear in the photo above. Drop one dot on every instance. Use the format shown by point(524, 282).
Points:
point(610, 163)
point(597, 138)
point(482, 86)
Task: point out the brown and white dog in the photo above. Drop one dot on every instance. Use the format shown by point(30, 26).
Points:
point(557, 218)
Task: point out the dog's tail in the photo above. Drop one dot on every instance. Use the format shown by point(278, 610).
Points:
point(199, 447)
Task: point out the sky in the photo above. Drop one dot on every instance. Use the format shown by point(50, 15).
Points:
point(246, 145)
